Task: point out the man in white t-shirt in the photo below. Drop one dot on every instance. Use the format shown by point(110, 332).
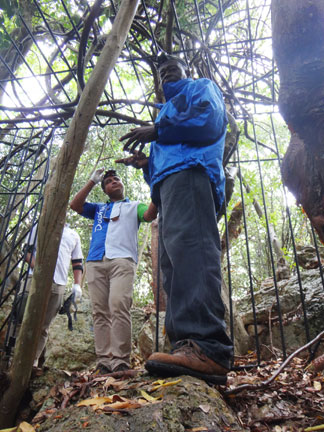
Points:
point(69, 250)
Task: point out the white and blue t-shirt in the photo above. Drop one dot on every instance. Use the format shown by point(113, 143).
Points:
point(115, 227)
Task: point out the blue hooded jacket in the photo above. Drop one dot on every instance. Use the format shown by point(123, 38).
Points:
point(191, 129)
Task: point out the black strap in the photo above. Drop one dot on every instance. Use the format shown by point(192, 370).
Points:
point(78, 267)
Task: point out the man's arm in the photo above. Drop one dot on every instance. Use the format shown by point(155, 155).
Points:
point(30, 259)
point(198, 120)
point(79, 199)
point(30, 246)
point(77, 274)
point(151, 213)
point(77, 268)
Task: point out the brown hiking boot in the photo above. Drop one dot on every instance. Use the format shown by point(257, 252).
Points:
point(122, 367)
point(102, 370)
point(188, 359)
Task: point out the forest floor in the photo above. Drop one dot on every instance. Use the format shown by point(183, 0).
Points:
point(292, 402)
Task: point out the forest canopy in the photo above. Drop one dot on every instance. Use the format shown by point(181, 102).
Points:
point(48, 52)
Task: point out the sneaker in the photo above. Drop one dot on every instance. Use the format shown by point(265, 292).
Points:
point(188, 359)
point(101, 370)
point(122, 367)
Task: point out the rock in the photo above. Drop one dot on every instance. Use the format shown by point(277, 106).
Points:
point(74, 350)
point(187, 405)
point(307, 256)
point(147, 337)
point(139, 317)
point(291, 310)
point(242, 341)
point(71, 350)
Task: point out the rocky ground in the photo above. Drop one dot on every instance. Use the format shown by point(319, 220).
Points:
point(66, 396)
point(63, 401)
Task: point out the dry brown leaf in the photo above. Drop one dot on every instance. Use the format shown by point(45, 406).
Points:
point(314, 428)
point(149, 397)
point(317, 385)
point(25, 427)
point(120, 385)
point(167, 384)
point(197, 429)
point(117, 398)
point(142, 401)
point(109, 381)
point(158, 382)
point(97, 401)
point(318, 363)
point(124, 405)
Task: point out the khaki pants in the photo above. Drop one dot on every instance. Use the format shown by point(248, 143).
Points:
point(110, 283)
point(54, 305)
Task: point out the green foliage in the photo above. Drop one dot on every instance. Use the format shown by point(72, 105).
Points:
point(9, 7)
point(275, 203)
point(249, 52)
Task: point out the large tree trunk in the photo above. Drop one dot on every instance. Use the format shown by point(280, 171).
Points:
point(160, 299)
point(52, 219)
point(298, 43)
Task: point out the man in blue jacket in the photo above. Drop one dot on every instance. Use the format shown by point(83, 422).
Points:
point(186, 177)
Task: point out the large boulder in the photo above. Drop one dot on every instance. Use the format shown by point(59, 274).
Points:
point(74, 350)
point(187, 404)
point(147, 336)
point(290, 298)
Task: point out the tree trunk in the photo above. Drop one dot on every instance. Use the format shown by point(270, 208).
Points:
point(298, 43)
point(52, 219)
point(155, 266)
point(234, 228)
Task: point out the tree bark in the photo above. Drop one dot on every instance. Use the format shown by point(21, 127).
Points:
point(298, 43)
point(155, 264)
point(234, 228)
point(52, 219)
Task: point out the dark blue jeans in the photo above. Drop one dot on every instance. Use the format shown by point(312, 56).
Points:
point(190, 263)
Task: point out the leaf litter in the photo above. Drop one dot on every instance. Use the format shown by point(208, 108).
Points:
point(293, 402)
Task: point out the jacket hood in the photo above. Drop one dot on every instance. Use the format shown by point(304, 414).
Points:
point(173, 88)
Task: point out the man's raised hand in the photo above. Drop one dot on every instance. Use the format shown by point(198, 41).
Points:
point(96, 176)
point(139, 136)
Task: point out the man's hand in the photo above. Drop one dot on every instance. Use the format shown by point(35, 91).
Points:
point(77, 291)
point(97, 175)
point(140, 135)
point(137, 160)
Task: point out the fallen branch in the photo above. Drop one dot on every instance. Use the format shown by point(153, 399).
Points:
point(266, 383)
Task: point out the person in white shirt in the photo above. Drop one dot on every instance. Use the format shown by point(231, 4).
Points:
point(69, 250)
